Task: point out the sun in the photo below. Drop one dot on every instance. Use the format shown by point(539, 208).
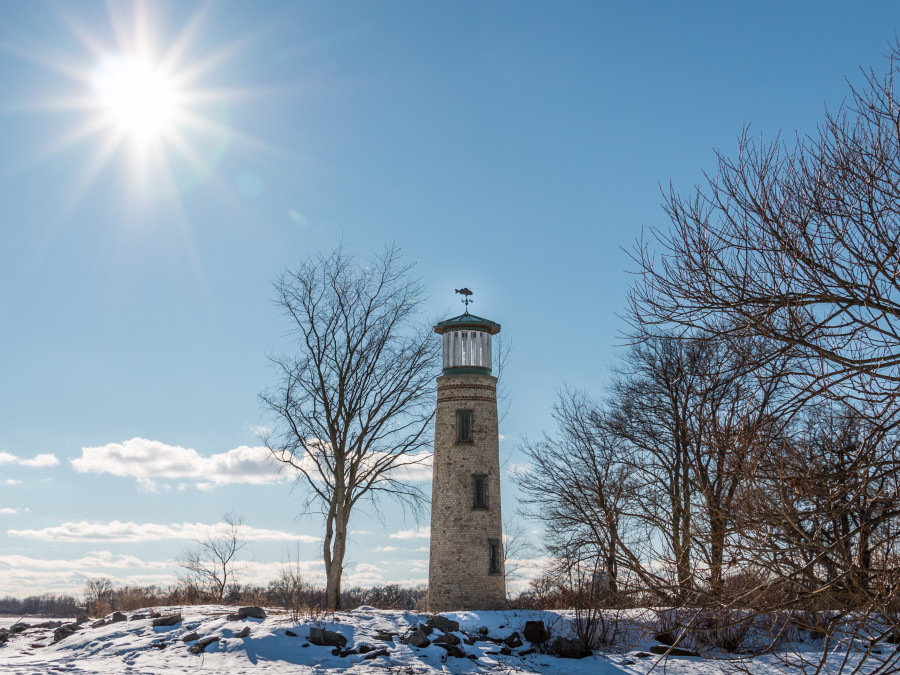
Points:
point(149, 97)
point(137, 97)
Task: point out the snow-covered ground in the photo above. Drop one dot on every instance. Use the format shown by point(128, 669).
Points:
point(137, 647)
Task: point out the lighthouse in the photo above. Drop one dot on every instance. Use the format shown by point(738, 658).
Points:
point(466, 570)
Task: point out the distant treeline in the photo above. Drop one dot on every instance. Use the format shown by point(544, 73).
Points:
point(101, 597)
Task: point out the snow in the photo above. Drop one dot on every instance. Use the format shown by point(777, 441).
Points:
point(136, 647)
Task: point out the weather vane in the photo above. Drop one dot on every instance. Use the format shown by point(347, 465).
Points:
point(465, 292)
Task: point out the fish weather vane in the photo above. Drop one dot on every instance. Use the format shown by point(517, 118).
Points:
point(465, 292)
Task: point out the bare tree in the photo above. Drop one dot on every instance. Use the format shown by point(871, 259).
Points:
point(797, 245)
point(353, 408)
point(212, 562)
point(99, 595)
point(578, 483)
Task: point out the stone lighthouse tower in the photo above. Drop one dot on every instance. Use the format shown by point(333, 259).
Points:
point(466, 569)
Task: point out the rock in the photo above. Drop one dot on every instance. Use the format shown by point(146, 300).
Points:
point(568, 649)
point(443, 624)
point(190, 637)
point(201, 646)
point(99, 624)
point(290, 633)
point(305, 644)
point(252, 613)
point(483, 630)
point(514, 641)
point(536, 633)
point(37, 645)
point(17, 628)
point(65, 631)
point(469, 640)
point(471, 656)
point(447, 639)
point(506, 651)
point(159, 645)
point(375, 655)
point(417, 639)
point(233, 617)
point(672, 651)
point(365, 649)
point(244, 632)
point(385, 637)
point(425, 628)
point(526, 652)
point(665, 638)
point(642, 655)
point(167, 620)
point(326, 638)
point(347, 652)
point(452, 650)
point(336, 651)
point(117, 617)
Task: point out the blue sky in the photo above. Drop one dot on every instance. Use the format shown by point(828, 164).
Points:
point(513, 147)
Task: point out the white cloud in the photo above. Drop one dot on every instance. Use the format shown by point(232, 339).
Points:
point(148, 460)
point(384, 549)
point(41, 461)
point(95, 559)
point(10, 511)
point(413, 533)
point(117, 531)
point(13, 481)
point(23, 582)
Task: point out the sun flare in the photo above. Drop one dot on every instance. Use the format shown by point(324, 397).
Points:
point(138, 98)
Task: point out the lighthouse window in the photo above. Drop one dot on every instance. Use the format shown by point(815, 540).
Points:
point(464, 426)
point(479, 492)
point(494, 546)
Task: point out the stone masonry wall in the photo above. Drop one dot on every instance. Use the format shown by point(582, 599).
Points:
point(459, 576)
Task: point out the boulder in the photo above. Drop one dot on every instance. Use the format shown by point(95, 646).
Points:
point(201, 646)
point(535, 632)
point(117, 617)
point(569, 649)
point(167, 620)
point(252, 613)
point(245, 631)
point(375, 655)
point(447, 639)
point(443, 624)
point(99, 624)
point(425, 628)
point(65, 631)
point(665, 638)
point(514, 641)
point(190, 637)
point(417, 639)
point(671, 651)
point(384, 636)
point(452, 650)
point(326, 638)
point(290, 633)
